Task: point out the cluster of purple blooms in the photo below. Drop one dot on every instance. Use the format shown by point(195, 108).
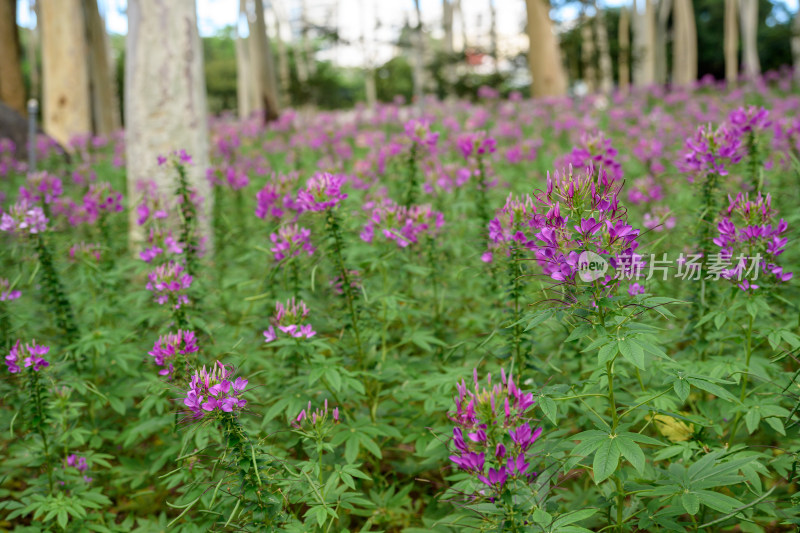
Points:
point(403, 225)
point(29, 355)
point(86, 251)
point(179, 156)
point(213, 393)
point(476, 144)
point(507, 229)
point(323, 191)
point(419, 132)
point(24, 218)
point(169, 283)
point(168, 346)
point(291, 241)
point(276, 198)
point(711, 151)
point(290, 319)
point(316, 416)
point(595, 150)
point(493, 435)
point(41, 187)
point(748, 230)
point(78, 462)
point(7, 293)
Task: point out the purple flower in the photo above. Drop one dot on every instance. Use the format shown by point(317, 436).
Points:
point(289, 319)
point(30, 355)
point(167, 346)
point(7, 293)
point(323, 191)
point(212, 393)
point(169, 283)
point(23, 218)
point(308, 418)
point(291, 241)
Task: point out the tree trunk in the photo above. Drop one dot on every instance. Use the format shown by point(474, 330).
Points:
point(65, 70)
point(684, 68)
point(796, 46)
point(245, 86)
point(544, 53)
point(604, 57)
point(283, 58)
point(263, 66)
point(105, 114)
point(418, 67)
point(748, 12)
point(587, 54)
point(462, 24)
point(624, 50)
point(731, 42)
point(644, 57)
point(661, 67)
point(165, 100)
point(12, 88)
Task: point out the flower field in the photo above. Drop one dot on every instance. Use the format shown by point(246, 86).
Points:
point(502, 315)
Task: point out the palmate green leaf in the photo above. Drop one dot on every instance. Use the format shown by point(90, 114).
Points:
point(718, 502)
point(682, 388)
point(606, 460)
point(632, 452)
point(752, 418)
point(713, 388)
point(548, 407)
point(632, 352)
point(690, 502)
point(607, 352)
point(776, 424)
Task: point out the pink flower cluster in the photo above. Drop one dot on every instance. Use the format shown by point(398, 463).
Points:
point(507, 229)
point(419, 131)
point(30, 355)
point(476, 144)
point(291, 241)
point(7, 293)
point(492, 430)
point(24, 218)
point(169, 283)
point(78, 462)
point(323, 191)
point(168, 346)
point(290, 320)
point(711, 151)
point(213, 393)
point(41, 187)
point(749, 230)
point(595, 150)
point(403, 225)
point(317, 416)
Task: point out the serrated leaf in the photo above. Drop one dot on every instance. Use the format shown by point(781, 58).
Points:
point(682, 388)
point(690, 502)
point(549, 408)
point(776, 424)
point(606, 460)
point(751, 419)
point(606, 353)
point(632, 352)
point(632, 452)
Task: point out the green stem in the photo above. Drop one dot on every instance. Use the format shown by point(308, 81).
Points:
point(338, 245)
point(745, 378)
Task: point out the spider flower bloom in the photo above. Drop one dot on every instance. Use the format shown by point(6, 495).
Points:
point(29, 355)
point(419, 131)
point(101, 198)
point(7, 293)
point(323, 191)
point(85, 251)
point(169, 283)
point(168, 346)
point(214, 392)
point(748, 232)
point(507, 229)
point(291, 241)
point(750, 119)
point(289, 320)
point(41, 187)
point(492, 436)
point(23, 218)
point(317, 417)
point(711, 151)
point(401, 224)
point(79, 463)
point(595, 150)
point(476, 144)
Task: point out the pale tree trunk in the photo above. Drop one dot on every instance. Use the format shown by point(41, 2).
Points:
point(624, 50)
point(493, 35)
point(544, 53)
point(165, 101)
point(603, 55)
point(12, 88)
point(65, 70)
point(370, 90)
point(644, 56)
point(418, 68)
point(796, 46)
point(684, 68)
point(587, 54)
point(245, 93)
point(283, 58)
point(661, 67)
point(748, 12)
point(462, 23)
point(262, 64)
point(105, 115)
point(731, 42)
